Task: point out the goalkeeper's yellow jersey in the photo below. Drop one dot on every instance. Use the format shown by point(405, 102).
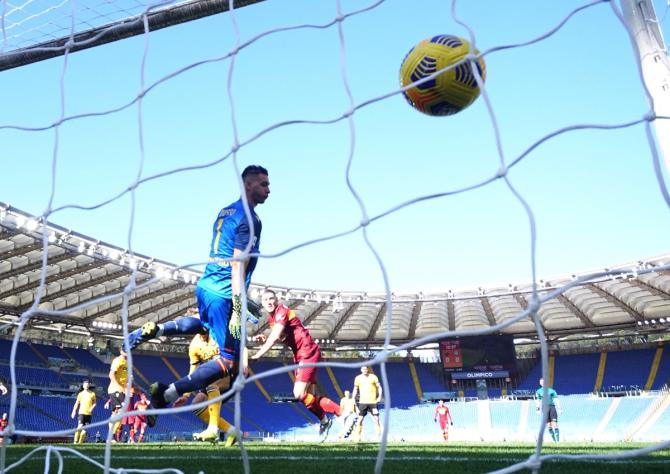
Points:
point(86, 400)
point(367, 388)
point(201, 349)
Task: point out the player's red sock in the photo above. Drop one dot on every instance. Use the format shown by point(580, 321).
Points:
point(139, 440)
point(329, 406)
point(312, 404)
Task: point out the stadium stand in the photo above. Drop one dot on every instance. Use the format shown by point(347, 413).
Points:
point(628, 367)
point(86, 360)
point(23, 353)
point(584, 417)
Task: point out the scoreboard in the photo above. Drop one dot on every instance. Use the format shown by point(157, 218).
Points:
point(479, 356)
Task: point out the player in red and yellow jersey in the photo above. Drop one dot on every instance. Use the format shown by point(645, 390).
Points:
point(287, 328)
point(141, 404)
point(443, 415)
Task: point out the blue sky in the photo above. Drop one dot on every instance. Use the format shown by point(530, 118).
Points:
point(593, 193)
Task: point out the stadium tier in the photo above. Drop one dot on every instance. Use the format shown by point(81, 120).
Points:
point(584, 417)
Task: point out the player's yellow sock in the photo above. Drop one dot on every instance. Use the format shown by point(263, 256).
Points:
point(359, 431)
point(224, 425)
point(203, 414)
point(82, 437)
point(76, 437)
point(214, 410)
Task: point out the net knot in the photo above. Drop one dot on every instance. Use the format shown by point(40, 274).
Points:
point(650, 116)
point(239, 384)
point(534, 463)
point(382, 356)
point(533, 304)
point(502, 172)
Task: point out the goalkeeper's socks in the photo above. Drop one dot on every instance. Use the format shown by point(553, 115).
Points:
point(183, 325)
point(557, 434)
point(551, 432)
point(205, 375)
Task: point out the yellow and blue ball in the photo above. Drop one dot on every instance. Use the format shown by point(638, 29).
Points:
point(449, 92)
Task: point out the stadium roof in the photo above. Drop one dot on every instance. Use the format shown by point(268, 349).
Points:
point(85, 280)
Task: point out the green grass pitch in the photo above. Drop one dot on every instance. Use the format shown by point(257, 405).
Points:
point(331, 458)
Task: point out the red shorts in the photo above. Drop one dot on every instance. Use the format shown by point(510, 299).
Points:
point(307, 374)
point(140, 423)
point(128, 420)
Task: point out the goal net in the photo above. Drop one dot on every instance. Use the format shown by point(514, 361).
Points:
point(311, 92)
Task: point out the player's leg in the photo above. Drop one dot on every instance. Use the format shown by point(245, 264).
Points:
point(305, 384)
point(142, 428)
point(553, 426)
point(443, 428)
point(353, 423)
point(311, 402)
point(77, 434)
point(204, 375)
point(375, 416)
point(84, 421)
point(181, 326)
point(209, 414)
point(203, 414)
point(358, 436)
point(136, 429)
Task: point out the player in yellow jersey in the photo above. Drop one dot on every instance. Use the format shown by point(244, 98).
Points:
point(86, 403)
point(369, 392)
point(203, 348)
point(118, 379)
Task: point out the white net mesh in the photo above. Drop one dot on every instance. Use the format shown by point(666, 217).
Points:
point(73, 119)
point(35, 22)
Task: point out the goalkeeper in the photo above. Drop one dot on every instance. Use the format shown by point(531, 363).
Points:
point(218, 291)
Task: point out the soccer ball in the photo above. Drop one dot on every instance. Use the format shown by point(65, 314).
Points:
point(449, 92)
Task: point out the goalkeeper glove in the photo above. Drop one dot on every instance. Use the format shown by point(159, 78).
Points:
point(452, 423)
point(235, 325)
